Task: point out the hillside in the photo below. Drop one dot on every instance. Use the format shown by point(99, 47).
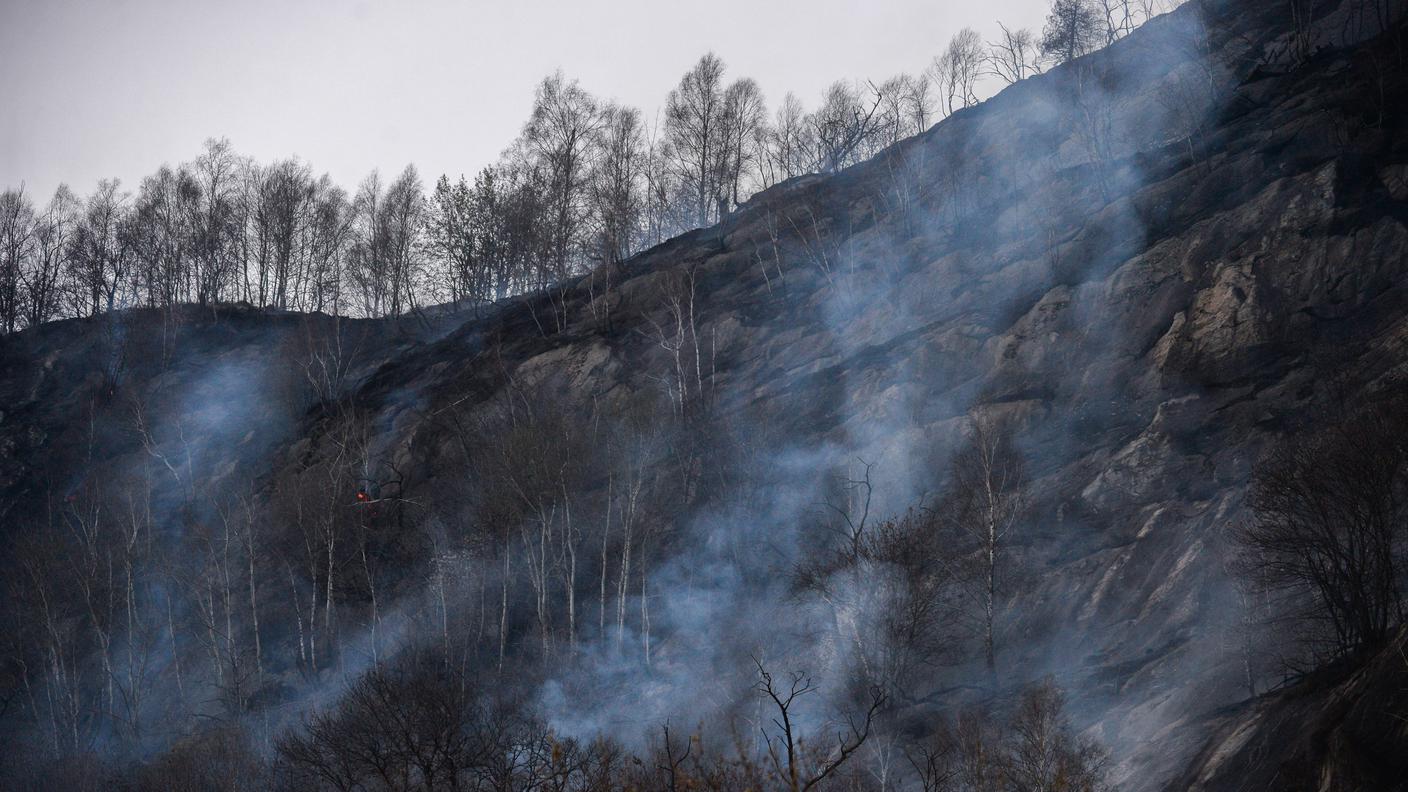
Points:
point(1152, 261)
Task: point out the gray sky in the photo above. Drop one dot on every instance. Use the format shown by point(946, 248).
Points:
point(117, 87)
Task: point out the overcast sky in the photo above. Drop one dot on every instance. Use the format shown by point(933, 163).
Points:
point(116, 87)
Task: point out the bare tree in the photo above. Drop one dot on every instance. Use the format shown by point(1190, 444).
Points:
point(677, 332)
point(101, 258)
point(693, 130)
point(160, 236)
point(989, 478)
point(17, 230)
point(617, 185)
point(1327, 529)
point(450, 241)
point(329, 234)
point(789, 761)
point(905, 107)
point(1015, 56)
point(410, 726)
point(278, 207)
point(1120, 18)
point(562, 137)
point(895, 588)
point(744, 114)
point(675, 757)
point(403, 221)
point(845, 128)
point(43, 280)
point(215, 221)
point(711, 134)
point(1043, 755)
point(789, 147)
point(955, 73)
point(385, 256)
point(1034, 749)
point(935, 763)
point(1091, 113)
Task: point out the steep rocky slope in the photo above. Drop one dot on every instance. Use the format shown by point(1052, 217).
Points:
point(1154, 259)
point(1343, 728)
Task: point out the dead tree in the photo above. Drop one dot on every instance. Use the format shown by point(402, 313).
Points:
point(799, 774)
point(1015, 57)
point(1043, 754)
point(1327, 530)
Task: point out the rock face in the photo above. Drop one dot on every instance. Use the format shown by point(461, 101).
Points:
point(1342, 729)
point(1154, 259)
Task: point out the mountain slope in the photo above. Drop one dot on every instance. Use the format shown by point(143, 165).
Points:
point(1153, 260)
point(1341, 729)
